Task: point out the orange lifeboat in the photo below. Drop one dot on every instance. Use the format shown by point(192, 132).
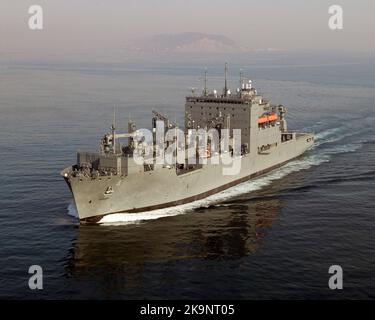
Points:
point(267, 118)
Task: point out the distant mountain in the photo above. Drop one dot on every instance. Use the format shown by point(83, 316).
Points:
point(189, 42)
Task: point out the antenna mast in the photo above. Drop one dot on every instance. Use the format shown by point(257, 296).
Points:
point(240, 83)
point(205, 82)
point(114, 130)
point(225, 76)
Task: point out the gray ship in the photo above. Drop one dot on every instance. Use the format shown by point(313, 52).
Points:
point(113, 180)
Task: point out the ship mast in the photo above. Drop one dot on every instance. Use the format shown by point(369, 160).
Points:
point(225, 77)
point(240, 83)
point(205, 82)
point(114, 130)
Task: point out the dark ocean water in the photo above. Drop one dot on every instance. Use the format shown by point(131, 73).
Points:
point(274, 237)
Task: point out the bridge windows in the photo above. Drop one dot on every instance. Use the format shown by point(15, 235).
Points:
point(286, 137)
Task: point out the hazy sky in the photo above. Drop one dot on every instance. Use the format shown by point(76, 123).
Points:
point(93, 26)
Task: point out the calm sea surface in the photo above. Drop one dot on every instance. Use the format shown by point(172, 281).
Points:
point(274, 237)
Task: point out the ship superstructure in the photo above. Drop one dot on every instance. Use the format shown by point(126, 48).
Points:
point(112, 180)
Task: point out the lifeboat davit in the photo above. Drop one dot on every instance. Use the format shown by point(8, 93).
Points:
point(267, 118)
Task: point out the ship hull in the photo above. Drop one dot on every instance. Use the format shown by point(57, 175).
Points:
point(162, 187)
